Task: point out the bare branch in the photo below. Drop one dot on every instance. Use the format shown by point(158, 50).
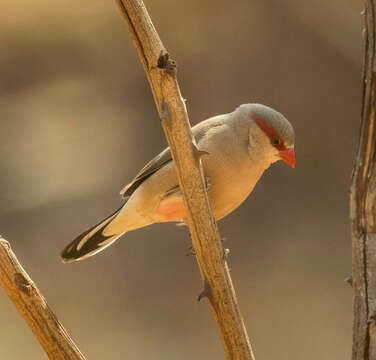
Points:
point(363, 206)
point(33, 307)
point(160, 70)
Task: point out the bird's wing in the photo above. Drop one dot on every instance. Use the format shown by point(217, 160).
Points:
point(149, 169)
point(165, 157)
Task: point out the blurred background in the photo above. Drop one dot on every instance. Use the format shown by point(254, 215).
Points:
point(78, 122)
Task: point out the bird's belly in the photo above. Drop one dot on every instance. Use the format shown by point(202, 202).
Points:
point(231, 188)
point(224, 198)
point(227, 200)
point(172, 208)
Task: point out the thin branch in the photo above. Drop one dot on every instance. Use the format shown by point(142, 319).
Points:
point(33, 307)
point(160, 70)
point(363, 206)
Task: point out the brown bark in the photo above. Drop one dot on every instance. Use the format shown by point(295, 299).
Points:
point(363, 206)
point(160, 70)
point(33, 307)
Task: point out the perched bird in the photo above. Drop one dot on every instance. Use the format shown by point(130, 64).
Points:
point(241, 145)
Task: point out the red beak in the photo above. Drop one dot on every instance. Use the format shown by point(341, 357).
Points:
point(288, 156)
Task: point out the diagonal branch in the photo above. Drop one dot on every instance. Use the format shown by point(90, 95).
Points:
point(160, 70)
point(33, 307)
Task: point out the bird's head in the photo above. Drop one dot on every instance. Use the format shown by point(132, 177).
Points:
point(271, 136)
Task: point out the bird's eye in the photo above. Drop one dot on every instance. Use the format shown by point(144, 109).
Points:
point(276, 141)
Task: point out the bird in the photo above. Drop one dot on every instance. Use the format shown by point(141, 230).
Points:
point(240, 146)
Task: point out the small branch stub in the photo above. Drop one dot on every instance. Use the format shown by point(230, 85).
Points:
point(349, 280)
point(206, 292)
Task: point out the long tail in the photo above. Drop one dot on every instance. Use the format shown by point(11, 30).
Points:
point(90, 242)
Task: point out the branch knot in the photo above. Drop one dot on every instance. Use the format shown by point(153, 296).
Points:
point(166, 63)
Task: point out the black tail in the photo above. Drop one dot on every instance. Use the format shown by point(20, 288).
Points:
point(90, 242)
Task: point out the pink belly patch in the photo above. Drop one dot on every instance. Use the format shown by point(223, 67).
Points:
point(171, 209)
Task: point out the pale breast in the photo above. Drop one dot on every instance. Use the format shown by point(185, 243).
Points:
point(230, 186)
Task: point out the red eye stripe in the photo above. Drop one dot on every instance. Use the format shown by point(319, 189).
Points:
point(272, 134)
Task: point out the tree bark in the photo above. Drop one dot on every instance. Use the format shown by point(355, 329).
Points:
point(160, 71)
point(33, 307)
point(363, 206)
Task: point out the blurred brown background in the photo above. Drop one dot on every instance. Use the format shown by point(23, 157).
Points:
point(78, 122)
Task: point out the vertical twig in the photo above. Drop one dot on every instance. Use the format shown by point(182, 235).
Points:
point(363, 206)
point(160, 70)
point(33, 307)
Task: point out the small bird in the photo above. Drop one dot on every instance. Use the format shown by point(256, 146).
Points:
point(241, 145)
